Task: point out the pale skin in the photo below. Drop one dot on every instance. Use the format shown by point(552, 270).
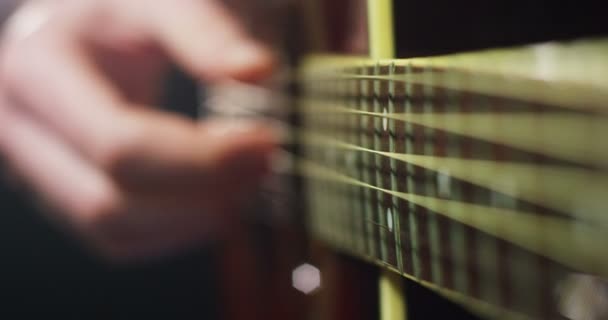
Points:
point(79, 126)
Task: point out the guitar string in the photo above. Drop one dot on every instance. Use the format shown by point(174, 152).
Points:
point(545, 185)
point(565, 95)
point(561, 136)
point(517, 227)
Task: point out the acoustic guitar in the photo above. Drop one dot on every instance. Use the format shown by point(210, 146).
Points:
point(450, 153)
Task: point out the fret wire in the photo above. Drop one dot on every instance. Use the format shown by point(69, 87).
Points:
point(395, 212)
point(421, 212)
point(487, 250)
point(366, 164)
point(375, 166)
point(357, 156)
point(458, 234)
point(444, 225)
point(429, 148)
point(411, 211)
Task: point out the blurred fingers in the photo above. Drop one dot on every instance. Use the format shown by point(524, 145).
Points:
point(207, 40)
point(54, 81)
point(142, 145)
point(54, 171)
point(121, 225)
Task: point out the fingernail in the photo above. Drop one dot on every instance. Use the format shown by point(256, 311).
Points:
point(247, 55)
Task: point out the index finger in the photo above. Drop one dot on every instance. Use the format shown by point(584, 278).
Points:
point(202, 36)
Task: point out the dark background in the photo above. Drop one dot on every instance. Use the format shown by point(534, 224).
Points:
point(42, 271)
point(430, 27)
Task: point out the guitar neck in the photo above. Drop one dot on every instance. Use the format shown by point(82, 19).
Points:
point(481, 175)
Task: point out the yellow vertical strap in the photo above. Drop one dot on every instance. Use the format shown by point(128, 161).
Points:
point(381, 33)
point(392, 304)
point(382, 46)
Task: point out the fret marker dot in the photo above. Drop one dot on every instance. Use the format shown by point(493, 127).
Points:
point(389, 219)
point(444, 183)
point(385, 120)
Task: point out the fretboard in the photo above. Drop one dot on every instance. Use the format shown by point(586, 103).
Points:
point(483, 176)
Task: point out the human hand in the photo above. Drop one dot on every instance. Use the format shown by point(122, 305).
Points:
point(78, 81)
